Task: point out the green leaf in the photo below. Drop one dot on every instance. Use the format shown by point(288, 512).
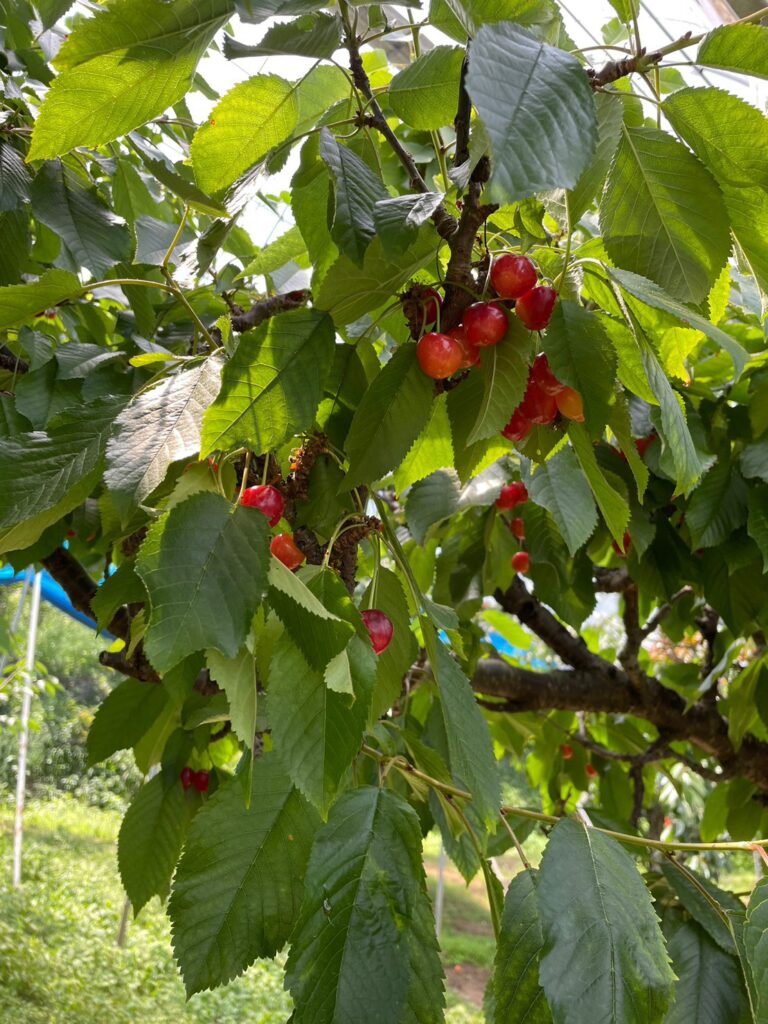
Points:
point(603, 947)
point(626, 9)
point(163, 169)
point(238, 886)
point(663, 216)
point(90, 233)
point(122, 67)
point(537, 107)
point(740, 48)
point(709, 989)
point(518, 995)
point(311, 35)
point(397, 220)
point(504, 370)
point(14, 178)
point(432, 449)
point(610, 117)
point(757, 519)
point(348, 292)
point(122, 587)
point(204, 565)
point(124, 717)
point(151, 836)
point(20, 302)
point(272, 385)
point(622, 430)
point(391, 415)
point(463, 407)
point(699, 906)
point(366, 935)
point(754, 938)
point(430, 501)
point(47, 475)
point(718, 506)
point(251, 119)
point(316, 731)
point(319, 633)
point(159, 427)
point(728, 135)
point(393, 663)
point(560, 486)
point(471, 756)
point(356, 192)
point(287, 247)
point(612, 505)
point(237, 677)
point(581, 357)
point(425, 94)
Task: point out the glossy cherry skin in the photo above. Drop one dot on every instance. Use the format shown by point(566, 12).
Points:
point(266, 499)
point(535, 307)
point(521, 561)
point(512, 495)
point(200, 781)
point(517, 526)
point(537, 406)
point(431, 302)
point(380, 629)
point(285, 550)
point(439, 355)
point(486, 323)
point(543, 378)
point(512, 276)
point(470, 352)
point(590, 770)
point(187, 777)
point(518, 428)
point(566, 751)
point(626, 542)
point(570, 404)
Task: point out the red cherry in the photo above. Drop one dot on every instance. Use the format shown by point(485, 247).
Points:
point(521, 561)
point(626, 541)
point(200, 781)
point(590, 770)
point(71, 533)
point(470, 352)
point(537, 406)
point(566, 751)
point(643, 444)
point(486, 323)
point(285, 549)
point(431, 302)
point(380, 629)
point(570, 404)
point(667, 822)
point(518, 428)
point(535, 307)
point(517, 526)
point(187, 777)
point(543, 378)
point(266, 499)
point(439, 355)
point(512, 495)
point(512, 276)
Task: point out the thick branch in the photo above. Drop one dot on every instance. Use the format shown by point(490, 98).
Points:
point(266, 308)
point(611, 581)
point(11, 362)
point(616, 69)
point(80, 588)
point(461, 122)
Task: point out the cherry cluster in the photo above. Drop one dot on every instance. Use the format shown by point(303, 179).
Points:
point(544, 400)
point(192, 778)
point(511, 496)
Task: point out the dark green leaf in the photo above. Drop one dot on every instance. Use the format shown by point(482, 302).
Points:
point(124, 717)
point(430, 501)
point(718, 506)
point(318, 632)
point(14, 178)
point(612, 504)
point(689, 891)
point(311, 35)
point(504, 370)
point(560, 486)
point(518, 995)
point(754, 948)
point(581, 357)
point(709, 989)
point(397, 220)
point(356, 192)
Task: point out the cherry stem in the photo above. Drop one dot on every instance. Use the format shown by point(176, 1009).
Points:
point(244, 481)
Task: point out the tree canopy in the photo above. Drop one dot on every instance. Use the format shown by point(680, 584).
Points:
point(346, 500)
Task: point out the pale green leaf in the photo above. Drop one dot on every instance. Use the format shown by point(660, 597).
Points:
point(393, 663)
point(740, 48)
point(430, 501)
point(237, 678)
point(432, 449)
point(610, 116)
point(581, 357)
point(311, 35)
point(20, 302)
point(289, 246)
point(426, 92)
point(319, 633)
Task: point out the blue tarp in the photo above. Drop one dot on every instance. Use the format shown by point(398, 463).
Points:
point(50, 591)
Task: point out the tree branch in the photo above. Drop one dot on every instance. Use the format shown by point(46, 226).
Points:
point(11, 362)
point(266, 308)
point(80, 588)
point(613, 70)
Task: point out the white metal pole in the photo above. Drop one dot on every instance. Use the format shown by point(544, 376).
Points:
point(26, 703)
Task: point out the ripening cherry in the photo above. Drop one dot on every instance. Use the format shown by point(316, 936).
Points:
point(570, 404)
point(470, 352)
point(517, 526)
point(537, 406)
point(512, 276)
point(642, 444)
point(521, 561)
point(431, 303)
point(439, 355)
point(535, 307)
point(187, 776)
point(200, 781)
point(512, 495)
point(590, 770)
point(518, 428)
point(486, 323)
point(566, 751)
point(667, 821)
point(543, 378)
point(380, 629)
point(285, 550)
point(626, 543)
point(266, 499)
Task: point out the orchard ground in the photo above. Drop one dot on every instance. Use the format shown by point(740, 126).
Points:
point(59, 963)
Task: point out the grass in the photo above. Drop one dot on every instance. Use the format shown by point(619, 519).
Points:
point(59, 962)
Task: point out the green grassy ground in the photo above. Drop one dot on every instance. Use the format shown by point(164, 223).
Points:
point(59, 963)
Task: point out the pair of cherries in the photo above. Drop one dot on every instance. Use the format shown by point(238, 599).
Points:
point(485, 323)
point(545, 398)
point(191, 778)
point(269, 500)
point(511, 496)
